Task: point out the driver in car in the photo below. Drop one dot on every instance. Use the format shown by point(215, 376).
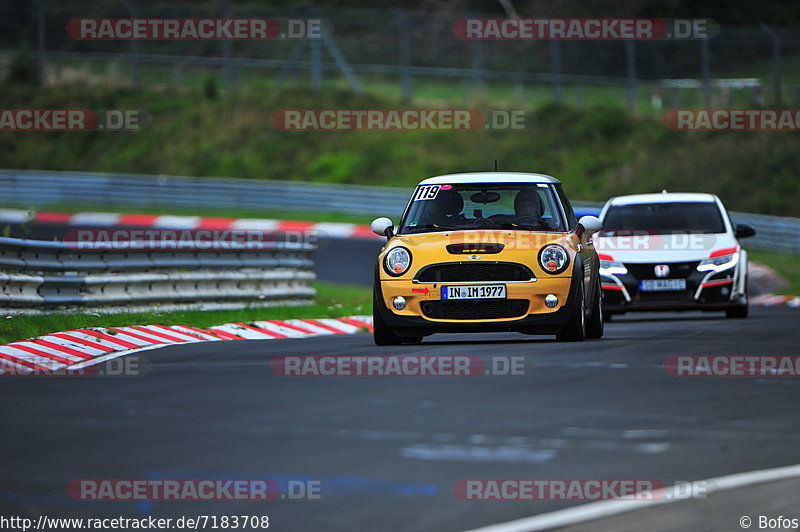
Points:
point(448, 207)
point(528, 207)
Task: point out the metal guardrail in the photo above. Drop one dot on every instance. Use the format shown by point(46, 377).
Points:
point(39, 188)
point(55, 274)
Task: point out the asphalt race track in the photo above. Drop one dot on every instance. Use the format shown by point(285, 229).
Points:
point(388, 450)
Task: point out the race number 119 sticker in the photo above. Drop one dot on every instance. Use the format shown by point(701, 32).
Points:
point(428, 192)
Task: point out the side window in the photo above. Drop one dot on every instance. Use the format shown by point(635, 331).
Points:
point(572, 221)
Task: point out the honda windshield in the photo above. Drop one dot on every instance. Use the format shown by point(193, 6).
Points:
point(664, 218)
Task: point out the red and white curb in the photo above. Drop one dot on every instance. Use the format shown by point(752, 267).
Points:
point(771, 300)
point(81, 348)
point(96, 220)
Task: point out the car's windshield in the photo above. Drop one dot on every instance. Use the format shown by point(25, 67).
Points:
point(664, 218)
point(515, 206)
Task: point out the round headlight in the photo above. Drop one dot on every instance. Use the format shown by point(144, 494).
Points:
point(397, 261)
point(553, 259)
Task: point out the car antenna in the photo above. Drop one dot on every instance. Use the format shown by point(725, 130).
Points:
point(495, 165)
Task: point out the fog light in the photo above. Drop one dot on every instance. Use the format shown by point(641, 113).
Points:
point(551, 301)
point(399, 303)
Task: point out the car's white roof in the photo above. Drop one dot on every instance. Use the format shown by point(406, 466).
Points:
point(489, 177)
point(668, 197)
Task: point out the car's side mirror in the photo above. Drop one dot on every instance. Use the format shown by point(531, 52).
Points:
point(383, 227)
point(589, 225)
point(744, 231)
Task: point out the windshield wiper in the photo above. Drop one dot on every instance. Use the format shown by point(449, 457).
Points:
point(430, 226)
point(521, 226)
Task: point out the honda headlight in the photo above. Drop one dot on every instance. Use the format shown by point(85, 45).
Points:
point(609, 266)
point(397, 261)
point(719, 260)
point(553, 259)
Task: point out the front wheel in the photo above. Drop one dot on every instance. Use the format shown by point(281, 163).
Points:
point(740, 311)
point(382, 334)
point(737, 312)
point(575, 329)
point(594, 326)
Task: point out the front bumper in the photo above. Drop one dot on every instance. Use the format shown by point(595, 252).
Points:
point(422, 315)
point(704, 290)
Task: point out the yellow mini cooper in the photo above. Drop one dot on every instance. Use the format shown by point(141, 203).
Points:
point(487, 252)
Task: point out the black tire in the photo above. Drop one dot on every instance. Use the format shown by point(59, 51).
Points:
point(575, 329)
point(382, 334)
point(594, 325)
point(740, 311)
point(411, 339)
point(737, 312)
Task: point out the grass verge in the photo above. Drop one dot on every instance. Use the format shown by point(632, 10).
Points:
point(598, 152)
point(332, 301)
point(788, 266)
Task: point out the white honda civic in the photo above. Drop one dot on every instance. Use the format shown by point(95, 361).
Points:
point(672, 251)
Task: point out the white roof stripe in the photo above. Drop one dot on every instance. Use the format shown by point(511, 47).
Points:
point(489, 177)
point(669, 197)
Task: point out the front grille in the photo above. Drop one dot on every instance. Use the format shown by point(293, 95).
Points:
point(475, 310)
point(455, 272)
point(677, 270)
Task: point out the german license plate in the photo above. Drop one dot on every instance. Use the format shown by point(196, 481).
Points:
point(662, 285)
point(478, 291)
